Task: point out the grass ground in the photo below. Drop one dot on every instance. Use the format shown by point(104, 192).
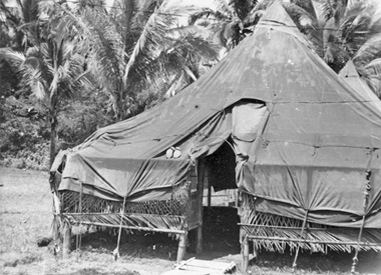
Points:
point(25, 216)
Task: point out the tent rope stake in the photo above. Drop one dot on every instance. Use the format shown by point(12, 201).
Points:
point(368, 188)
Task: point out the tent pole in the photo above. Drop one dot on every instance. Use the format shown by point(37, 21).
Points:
point(200, 170)
point(301, 237)
point(116, 250)
point(365, 205)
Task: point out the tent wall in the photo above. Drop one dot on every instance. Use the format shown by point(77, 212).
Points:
point(176, 215)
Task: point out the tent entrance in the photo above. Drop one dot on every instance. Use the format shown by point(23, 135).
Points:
point(220, 201)
point(220, 188)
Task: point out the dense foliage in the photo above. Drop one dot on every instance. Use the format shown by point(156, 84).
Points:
point(68, 68)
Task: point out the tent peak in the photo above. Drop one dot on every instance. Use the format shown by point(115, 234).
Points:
point(277, 15)
point(349, 70)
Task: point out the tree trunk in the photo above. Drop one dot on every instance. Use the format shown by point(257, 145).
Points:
point(118, 107)
point(53, 135)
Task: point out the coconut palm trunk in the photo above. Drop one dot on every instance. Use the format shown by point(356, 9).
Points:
point(53, 134)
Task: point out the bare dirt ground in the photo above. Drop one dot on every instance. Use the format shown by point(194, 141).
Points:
point(25, 216)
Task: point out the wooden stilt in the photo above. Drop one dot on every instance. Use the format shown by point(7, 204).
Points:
point(66, 240)
point(116, 252)
point(255, 250)
point(199, 240)
point(79, 235)
point(245, 254)
point(209, 195)
point(182, 247)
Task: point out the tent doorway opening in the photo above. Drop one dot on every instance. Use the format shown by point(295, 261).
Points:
point(220, 188)
point(221, 201)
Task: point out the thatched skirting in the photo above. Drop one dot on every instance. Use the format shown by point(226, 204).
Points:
point(164, 216)
point(275, 233)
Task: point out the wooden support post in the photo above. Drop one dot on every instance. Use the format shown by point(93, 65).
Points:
point(66, 240)
point(245, 253)
point(199, 240)
point(116, 252)
point(182, 247)
point(200, 189)
point(209, 195)
point(368, 188)
point(255, 250)
point(301, 238)
point(79, 235)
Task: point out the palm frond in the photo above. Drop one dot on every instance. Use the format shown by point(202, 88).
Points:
point(33, 79)
point(369, 49)
point(224, 7)
point(205, 14)
point(374, 66)
point(29, 10)
point(325, 8)
point(107, 46)
point(146, 36)
point(14, 56)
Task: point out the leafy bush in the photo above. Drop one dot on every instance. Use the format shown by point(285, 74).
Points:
point(24, 130)
point(23, 134)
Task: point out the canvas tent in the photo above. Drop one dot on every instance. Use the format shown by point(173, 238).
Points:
point(306, 147)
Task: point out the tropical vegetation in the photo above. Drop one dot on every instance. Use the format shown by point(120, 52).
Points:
point(70, 67)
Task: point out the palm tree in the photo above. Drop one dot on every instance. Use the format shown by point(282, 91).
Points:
point(51, 66)
point(135, 54)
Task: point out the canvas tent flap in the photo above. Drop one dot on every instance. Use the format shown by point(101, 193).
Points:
point(111, 180)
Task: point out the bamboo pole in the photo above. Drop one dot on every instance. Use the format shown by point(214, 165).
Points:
point(259, 238)
point(136, 227)
point(281, 227)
